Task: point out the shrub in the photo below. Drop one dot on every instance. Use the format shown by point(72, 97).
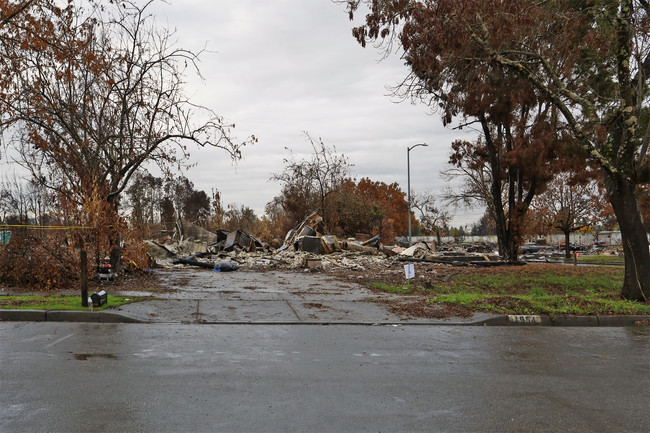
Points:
point(38, 260)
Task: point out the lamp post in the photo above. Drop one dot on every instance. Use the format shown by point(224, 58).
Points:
point(408, 168)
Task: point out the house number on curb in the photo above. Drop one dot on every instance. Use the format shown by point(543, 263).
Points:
point(526, 319)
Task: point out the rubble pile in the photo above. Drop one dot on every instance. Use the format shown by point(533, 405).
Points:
point(308, 237)
point(305, 247)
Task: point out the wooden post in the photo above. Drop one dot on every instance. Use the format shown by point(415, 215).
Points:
point(84, 278)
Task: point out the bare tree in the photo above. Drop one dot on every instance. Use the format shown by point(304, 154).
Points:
point(568, 206)
point(307, 184)
point(432, 218)
point(240, 217)
point(105, 98)
point(24, 202)
point(13, 202)
point(145, 193)
point(475, 187)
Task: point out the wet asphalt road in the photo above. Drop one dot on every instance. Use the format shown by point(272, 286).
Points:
point(80, 377)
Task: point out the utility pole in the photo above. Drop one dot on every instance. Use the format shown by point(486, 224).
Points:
point(408, 168)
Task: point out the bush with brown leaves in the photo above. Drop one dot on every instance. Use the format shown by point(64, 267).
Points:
point(39, 261)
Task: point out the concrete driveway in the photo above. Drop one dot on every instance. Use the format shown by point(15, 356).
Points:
point(201, 296)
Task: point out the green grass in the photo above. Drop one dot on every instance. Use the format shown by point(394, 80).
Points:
point(512, 282)
point(546, 290)
point(59, 302)
point(601, 259)
point(399, 290)
point(547, 304)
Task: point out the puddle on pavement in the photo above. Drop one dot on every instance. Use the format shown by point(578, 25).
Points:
point(87, 356)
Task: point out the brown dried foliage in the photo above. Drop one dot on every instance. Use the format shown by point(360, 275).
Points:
point(39, 260)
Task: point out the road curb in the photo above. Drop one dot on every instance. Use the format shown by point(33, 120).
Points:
point(566, 321)
point(624, 320)
point(505, 320)
point(65, 316)
point(22, 315)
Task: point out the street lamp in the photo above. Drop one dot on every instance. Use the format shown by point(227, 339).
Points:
point(408, 167)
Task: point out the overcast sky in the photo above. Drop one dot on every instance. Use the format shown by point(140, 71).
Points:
point(277, 68)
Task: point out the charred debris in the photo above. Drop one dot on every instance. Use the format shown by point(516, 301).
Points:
point(304, 247)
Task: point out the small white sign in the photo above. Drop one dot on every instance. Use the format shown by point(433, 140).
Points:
point(409, 270)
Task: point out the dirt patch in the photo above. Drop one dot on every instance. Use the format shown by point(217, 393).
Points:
point(182, 281)
point(427, 274)
point(16, 302)
point(421, 307)
point(317, 305)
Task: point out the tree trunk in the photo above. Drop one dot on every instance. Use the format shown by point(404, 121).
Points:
point(115, 256)
point(636, 285)
point(508, 248)
point(567, 245)
point(115, 239)
point(506, 226)
point(511, 247)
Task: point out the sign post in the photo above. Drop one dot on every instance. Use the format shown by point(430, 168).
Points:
point(409, 271)
point(84, 277)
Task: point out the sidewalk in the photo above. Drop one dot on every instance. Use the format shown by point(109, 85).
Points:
point(275, 297)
